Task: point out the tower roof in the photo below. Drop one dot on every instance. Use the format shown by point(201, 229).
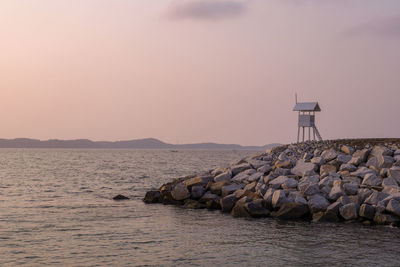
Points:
point(307, 106)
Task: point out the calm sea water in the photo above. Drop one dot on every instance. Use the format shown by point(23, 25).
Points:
point(56, 210)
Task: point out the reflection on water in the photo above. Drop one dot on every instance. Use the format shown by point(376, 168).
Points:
point(56, 209)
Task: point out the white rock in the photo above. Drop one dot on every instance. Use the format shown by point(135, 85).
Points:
point(303, 168)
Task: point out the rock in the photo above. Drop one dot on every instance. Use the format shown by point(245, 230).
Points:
point(375, 197)
point(268, 197)
point(240, 177)
point(255, 177)
point(303, 168)
point(327, 181)
point(257, 163)
point(256, 209)
point(229, 189)
point(380, 151)
point(208, 196)
point(329, 154)
point(279, 198)
point(394, 173)
point(389, 182)
point(393, 207)
point(343, 158)
point(152, 196)
point(318, 161)
point(121, 197)
point(291, 210)
point(355, 161)
point(335, 193)
point(327, 216)
point(217, 171)
point(347, 150)
point(349, 211)
point(216, 187)
point(277, 182)
point(239, 210)
point(225, 176)
point(290, 183)
point(228, 202)
point(362, 171)
point(362, 154)
point(327, 169)
point(318, 203)
point(348, 167)
point(381, 218)
point(264, 169)
point(351, 188)
point(371, 179)
point(310, 189)
point(385, 162)
point(197, 191)
point(180, 192)
point(240, 168)
point(281, 172)
point(250, 187)
point(193, 204)
point(283, 164)
point(367, 211)
point(363, 194)
point(199, 180)
point(334, 207)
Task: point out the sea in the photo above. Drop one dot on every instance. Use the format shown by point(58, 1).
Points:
point(56, 209)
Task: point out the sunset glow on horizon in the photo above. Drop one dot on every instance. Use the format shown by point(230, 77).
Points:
point(198, 70)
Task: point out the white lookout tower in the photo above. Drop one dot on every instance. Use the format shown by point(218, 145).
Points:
point(307, 118)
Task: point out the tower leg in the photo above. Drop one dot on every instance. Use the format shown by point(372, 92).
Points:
point(298, 134)
point(309, 134)
point(303, 134)
point(313, 133)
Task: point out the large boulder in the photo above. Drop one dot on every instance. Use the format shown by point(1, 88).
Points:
point(180, 192)
point(225, 176)
point(393, 207)
point(349, 211)
point(371, 179)
point(197, 191)
point(278, 199)
point(291, 210)
point(336, 192)
point(216, 187)
point(290, 183)
point(325, 216)
point(383, 218)
point(327, 169)
point(277, 182)
point(229, 189)
point(256, 209)
point(375, 197)
point(309, 189)
point(362, 154)
point(318, 203)
point(394, 173)
point(303, 168)
point(239, 210)
point(152, 196)
point(329, 154)
point(228, 202)
point(362, 171)
point(348, 167)
point(240, 168)
point(198, 180)
point(348, 150)
point(241, 177)
point(351, 188)
point(343, 158)
point(255, 177)
point(367, 211)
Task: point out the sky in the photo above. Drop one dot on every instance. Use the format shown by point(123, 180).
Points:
point(188, 71)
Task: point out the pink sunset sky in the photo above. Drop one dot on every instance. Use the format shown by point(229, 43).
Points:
point(195, 71)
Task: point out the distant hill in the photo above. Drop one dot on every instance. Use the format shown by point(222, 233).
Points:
point(148, 143)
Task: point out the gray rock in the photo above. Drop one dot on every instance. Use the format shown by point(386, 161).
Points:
point(264, 169)
point(329, 154)
point(250, 187)
point(217, 171)
point(362, 154)
point(326, 216)
point(216, 187)
point(375, 197)
point(327, 169)
point(256, 163)
point(371, 179)
point(209, 196)
point(335, 193)
point(225, 176)
point(227, 203)
point(279, 198)
point(268, 197)
point(348, 167)
point(362, 171)
point(355, 161)
point(389, 182)
point(197, 191)
point(289, 183)
point(334, 207)
point(327, 181)
point(240, 210)
point(198, 180)
point(240, 168)
point(394, 173)
point(241, 177)
point(351, 188)
point(152, 196)
point(310, 189)
point(349, 211)
point(393, 207)
point(381, 218)
point(229, 189)
point(385, 161)
point(180, 192)
point(380, 151)
point(277, 182)
point(303, 168)
point(256, 209)
point(344, 158)
point(348, 150)
point(318, 203)
point(363, 194)
point(255, 177)
point(367, 211)
point(318, 161)
point(291, 210)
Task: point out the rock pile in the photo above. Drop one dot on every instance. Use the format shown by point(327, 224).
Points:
point(339, 180)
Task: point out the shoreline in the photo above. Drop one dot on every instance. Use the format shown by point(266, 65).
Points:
point(335, 180)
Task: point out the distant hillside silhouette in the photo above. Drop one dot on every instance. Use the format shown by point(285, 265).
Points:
point(147, 143)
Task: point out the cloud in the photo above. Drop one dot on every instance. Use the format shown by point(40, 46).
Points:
point(206, 9)
point(382, 27)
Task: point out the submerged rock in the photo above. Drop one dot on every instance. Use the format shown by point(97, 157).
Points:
point(121, 197)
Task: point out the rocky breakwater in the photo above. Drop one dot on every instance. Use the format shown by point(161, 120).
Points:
point(339, 180)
